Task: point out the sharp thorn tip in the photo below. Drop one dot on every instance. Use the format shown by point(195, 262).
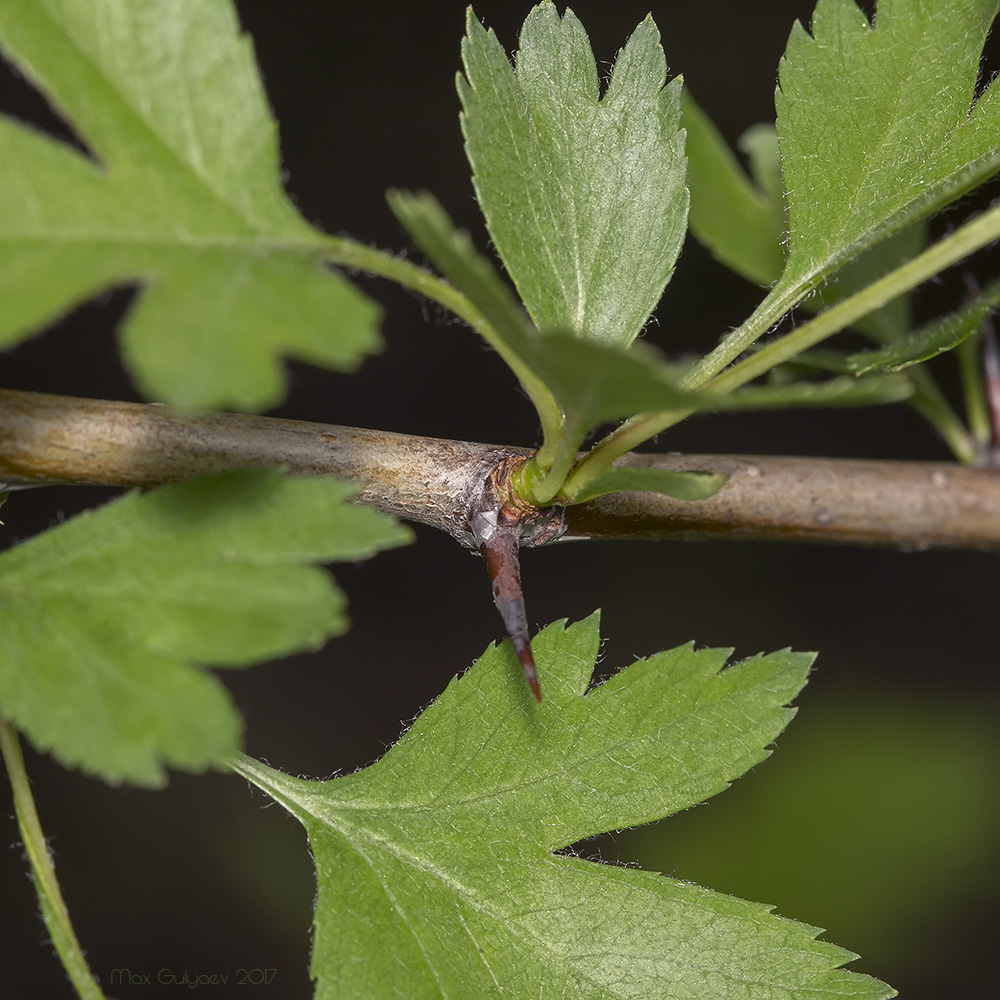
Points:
point(535, 688)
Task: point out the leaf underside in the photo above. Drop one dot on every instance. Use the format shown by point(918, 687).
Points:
point(436, 869)
point(584, 195)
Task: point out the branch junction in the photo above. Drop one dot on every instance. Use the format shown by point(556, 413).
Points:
point(46, 440)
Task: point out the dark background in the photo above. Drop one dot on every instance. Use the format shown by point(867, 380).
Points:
point(876, 818)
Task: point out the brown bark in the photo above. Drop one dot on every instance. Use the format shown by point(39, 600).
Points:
point(57, 439)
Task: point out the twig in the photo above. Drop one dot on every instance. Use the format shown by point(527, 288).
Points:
point(57, 439)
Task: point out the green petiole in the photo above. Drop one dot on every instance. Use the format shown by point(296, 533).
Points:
point(972, 236)
point(50, 898)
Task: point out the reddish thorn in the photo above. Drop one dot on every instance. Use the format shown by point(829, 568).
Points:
point(500, 550)
point(524, 654)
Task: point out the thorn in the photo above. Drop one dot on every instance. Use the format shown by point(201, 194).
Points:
point(498, 524)
point(499, 548)
point(524, 654)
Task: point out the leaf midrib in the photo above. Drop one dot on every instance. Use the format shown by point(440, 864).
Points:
point(482, 904)
point(396, 808)
point(486, 906)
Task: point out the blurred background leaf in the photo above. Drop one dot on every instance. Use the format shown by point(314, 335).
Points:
point(875, 813)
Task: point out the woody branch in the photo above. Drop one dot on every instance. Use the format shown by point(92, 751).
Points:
point(47, 439)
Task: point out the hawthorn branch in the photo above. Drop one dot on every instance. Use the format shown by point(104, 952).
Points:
point(47, 440)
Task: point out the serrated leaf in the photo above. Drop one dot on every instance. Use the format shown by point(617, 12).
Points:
point(583, 194)
point(436, 869)
point(931, 340)
point(103, 616)
point(679, 485)
point(184, 198)
point(879, 125)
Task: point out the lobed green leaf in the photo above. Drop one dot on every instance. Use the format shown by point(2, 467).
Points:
point(436, 869)
point(183, 196)
point(880, 124)
point(584, 195)
point(103, 616)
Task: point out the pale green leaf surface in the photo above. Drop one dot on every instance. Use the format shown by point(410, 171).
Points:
point(435, 865)
point(103, 616)
point(679, 485)
point(879, 124)
point(740, 222)
point(584, 195)
point(184, 197)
